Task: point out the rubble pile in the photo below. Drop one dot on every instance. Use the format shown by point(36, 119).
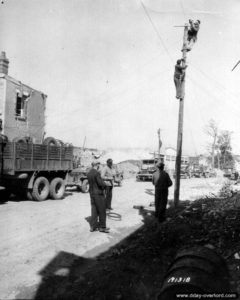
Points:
point(129, 168)
point(215, 221)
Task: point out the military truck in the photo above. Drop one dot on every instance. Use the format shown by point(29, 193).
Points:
point(118, 176)
point(148, 167)
point(38, 171)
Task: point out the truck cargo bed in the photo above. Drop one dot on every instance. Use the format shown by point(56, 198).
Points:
point(18, 157)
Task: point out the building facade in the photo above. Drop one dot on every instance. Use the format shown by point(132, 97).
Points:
point(22, 108)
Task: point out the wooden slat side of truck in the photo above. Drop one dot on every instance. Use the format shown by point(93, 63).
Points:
point(38, 171)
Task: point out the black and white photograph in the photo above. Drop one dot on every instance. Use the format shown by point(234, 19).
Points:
point(119, 149)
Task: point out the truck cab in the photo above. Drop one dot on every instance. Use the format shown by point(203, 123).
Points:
point(148, 167)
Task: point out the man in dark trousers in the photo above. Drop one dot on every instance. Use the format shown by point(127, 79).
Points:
point(98, 204)
point(162, 182)
point(107, 174)
point(179, 75)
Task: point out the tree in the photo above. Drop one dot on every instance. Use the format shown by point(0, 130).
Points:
point(211, 129)
point(225, 148)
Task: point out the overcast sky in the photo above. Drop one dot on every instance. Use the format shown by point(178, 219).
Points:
point(107, 68)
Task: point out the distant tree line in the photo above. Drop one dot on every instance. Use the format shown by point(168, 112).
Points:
point(219, 148)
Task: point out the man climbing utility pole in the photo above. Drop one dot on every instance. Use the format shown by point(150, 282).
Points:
point(189, 38)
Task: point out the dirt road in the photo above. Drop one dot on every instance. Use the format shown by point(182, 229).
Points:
point(33, 233)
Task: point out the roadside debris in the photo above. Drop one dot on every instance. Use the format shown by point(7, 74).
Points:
point(236, 256)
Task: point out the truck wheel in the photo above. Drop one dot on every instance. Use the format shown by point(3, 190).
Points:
point(40, 190)
point(24, 139)
point(85, 186)
point(57, 188)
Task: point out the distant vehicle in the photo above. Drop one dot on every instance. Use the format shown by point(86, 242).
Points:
point(147, 169)
point(118, 175)
point(234, 175)
point(118, 178)
point(209, 173)
point(78, 178)
point(196, 173)
point(184, 174)
point(228, 172)
point(203, 172)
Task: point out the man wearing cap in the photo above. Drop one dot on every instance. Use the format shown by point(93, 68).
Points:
point(107, 174)
point(98, 205)
point(162, 182)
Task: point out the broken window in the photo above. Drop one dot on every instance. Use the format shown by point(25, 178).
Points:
point(21, 105)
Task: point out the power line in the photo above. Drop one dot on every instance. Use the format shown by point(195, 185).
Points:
point(105, 92)
point(156, 30)
point(183, 10)
point(117, 95)
point(217, 82)
point(122, 108)
point(207, 92)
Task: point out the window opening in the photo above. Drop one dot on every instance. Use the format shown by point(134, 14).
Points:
point(21, 104)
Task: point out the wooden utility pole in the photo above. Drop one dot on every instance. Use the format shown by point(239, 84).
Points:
point(159, 143)
point(84, 142)
point(180, 125)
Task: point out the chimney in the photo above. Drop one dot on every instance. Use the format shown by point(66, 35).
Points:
point(4, 63)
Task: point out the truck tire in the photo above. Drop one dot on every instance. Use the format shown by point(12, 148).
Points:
point(40, 190)
point(85, 186)
point(51, 141)
point(57, 188)
point(24, 139)
point(29, 194)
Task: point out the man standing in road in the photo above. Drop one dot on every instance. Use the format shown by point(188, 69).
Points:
point(98, 205)
point(162, 182)
point(107, 174)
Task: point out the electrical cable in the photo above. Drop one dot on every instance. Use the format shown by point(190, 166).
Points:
point(156, 30)
point(194, 144)
point(122, 92)
point(219, 85)
point(207, 92)
point(107, 92)
point(122, 108)
point(183, 10)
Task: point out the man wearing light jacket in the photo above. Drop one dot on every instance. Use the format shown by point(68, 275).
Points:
point(107, 174)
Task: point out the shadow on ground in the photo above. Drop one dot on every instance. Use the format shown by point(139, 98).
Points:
point(19, 197)
point(132, 269)
point(135, 267)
